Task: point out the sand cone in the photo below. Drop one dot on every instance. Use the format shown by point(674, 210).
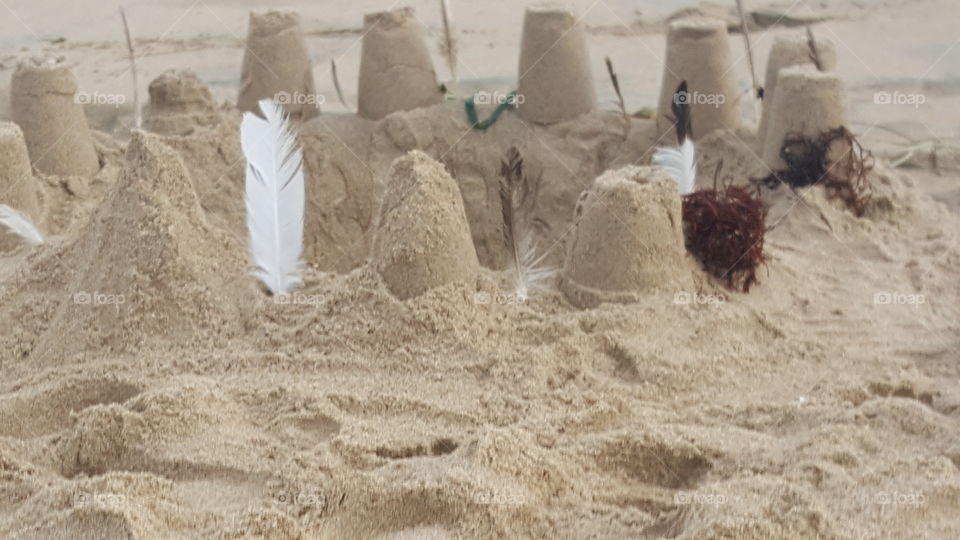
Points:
point(43, 101)
point(179, 102)
point(698, 51)
point(790, 50)
point(396, 73)
point(423, 237)
point(629, 239)
point(808, 102)
point(555, 82)
point(276, 66)
point(17, 188)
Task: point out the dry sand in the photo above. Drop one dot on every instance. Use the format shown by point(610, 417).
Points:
point(150, 389)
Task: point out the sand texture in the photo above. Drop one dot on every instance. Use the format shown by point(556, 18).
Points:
point(150, 389)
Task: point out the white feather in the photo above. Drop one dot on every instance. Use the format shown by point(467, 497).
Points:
point(274, 197)
point(20, 224)
point(531, 275)
point(679, 163)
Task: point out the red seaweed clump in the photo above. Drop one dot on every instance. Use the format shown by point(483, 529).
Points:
point(835, 160)
point(724, 230)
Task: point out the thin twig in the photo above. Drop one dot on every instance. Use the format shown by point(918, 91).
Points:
point(133, 70)
point(449, 43)
point(745, 28)
point(336, 83)
point(814, 52)
point(615, 80)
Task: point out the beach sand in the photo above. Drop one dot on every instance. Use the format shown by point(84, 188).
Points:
point(149, 388)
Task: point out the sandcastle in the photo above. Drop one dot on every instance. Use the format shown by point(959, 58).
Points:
point(698, 51)
point(276, 66)
point(179, 102)
point(396, 73)
point(808, 103)
point(422, 238)
point(43, 103)
point(628, 239)
point(555, 82)
point(787, 51)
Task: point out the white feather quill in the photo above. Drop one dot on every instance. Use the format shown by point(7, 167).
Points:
point(517, 199)
point(681, 162)
point(19, 224)
point(530, 275)
point(274, 197)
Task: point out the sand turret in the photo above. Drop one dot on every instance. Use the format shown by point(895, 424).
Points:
point(44, 103)
point(791, 50)
point(277, 66)
point(698, 51)
point(423, 237)
point(396, 72)
point(807, 103)
point(554, 80)
point(628, 239)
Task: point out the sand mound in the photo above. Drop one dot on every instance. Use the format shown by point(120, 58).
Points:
point(43, 104)
point(423, 238)
point(18, 187)
point(628, 239)
point(179, 104)
point(141, 267)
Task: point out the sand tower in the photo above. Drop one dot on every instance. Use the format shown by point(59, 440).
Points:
point(791, 50)
point(43, 102)
point(628, 239)
point(396, 73)
point(808, 102)
point(554, 77)
point(698, 51)
point(276, 66)
point(422, 238)
point(179, 102)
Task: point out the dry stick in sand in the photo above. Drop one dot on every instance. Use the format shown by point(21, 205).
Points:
point(133, 70)
point(518, 195)
point(449, 43)
point(814, 53)
point(753, 71)
point(616, 88)
point(336, 83)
